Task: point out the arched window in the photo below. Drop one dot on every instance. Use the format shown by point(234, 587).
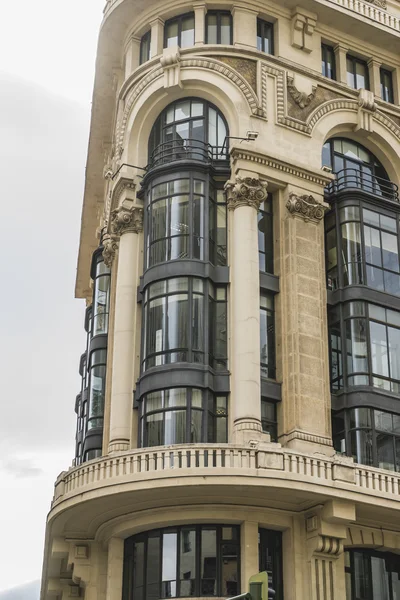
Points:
point(372, 575)
point(357, 168)
point(189, 129)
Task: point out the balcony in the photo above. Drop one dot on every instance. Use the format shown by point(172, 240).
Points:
point(348, 180)
point(188, 150)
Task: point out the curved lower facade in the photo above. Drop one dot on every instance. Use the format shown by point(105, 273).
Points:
point(239, 410)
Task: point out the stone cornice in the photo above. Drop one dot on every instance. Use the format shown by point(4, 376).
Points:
point(314, 176)
point(246, 191)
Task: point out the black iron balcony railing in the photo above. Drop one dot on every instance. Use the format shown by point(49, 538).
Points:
point(187, 149)
point(354, 179)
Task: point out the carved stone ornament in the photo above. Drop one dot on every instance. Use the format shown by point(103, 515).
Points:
point(246, 191)
point(301, 98)
point(329, 545)
point(306, 207)
point(125, 220)
point(110, 244)
point(378, 3)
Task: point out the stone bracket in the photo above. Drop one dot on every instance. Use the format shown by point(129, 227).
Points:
point(171, 64)
point(303, 26)
point(366, 111)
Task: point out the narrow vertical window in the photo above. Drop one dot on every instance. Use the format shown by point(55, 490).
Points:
point(145, 47)
point(267, 337)
point(387, 85)
point(270, 559)
point(265, 36)
point(269, 420)
point(357, 73)
point(265, 236)
point(219, 27)
point(328, 61)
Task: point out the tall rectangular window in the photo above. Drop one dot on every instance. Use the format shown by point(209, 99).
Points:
point(270, 559)
point(269, 420)
point(145, 43)
point(387, 86)
point(179, 31)
point(265, 236)
point(265, 36)
point(219, 27)
point(267, 336)
point(328, 61)
point(357, 73)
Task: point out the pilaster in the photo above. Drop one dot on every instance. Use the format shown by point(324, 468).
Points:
point(157, 37)
point(244, 27)
point(374, 77)
point(200, 10)
point(115, 567)
point(132, 56)
point(249, 543)
point(341, 62)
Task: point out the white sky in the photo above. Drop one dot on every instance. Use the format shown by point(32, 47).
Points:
point(47, 53)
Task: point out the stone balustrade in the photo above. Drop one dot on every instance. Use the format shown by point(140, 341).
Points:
point(202, 460)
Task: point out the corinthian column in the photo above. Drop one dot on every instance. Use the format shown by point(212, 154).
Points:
point(126, 224)
point(245, 195)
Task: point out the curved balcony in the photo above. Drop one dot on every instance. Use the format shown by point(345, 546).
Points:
point(188, 150)
point(355, 180)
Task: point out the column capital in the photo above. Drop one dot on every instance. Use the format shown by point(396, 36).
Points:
point(306, 207)
point(246, 191)
point(126, 219)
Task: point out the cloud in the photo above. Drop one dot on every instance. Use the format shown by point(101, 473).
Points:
point(29, 591)
point(20, 467)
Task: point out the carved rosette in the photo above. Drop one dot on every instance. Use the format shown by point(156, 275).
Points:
point(246, 191)
point(124, 220)
point(110, 244)
point(305, 206)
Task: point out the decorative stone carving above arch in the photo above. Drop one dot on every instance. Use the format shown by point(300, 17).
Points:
point(188, 62)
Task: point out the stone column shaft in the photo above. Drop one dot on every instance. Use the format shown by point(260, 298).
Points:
point(157, 37)
point(200, 10)
point(244, 27)
point(115, 567)
point(341, 63)
point(374, 72)
point(249, 543)
point(128, 223)
point(244, 198)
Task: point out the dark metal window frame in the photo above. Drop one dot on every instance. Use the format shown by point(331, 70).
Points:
point(179, 19)
point(97, 275)
point(267, 251)
point(98, 358)
point(219, 14)
point(270, 425)
point(270, 546)
point(325, 50)
point(271, 342)
point(207, 330)
point(346, 434)
point(263, 29)
point(209, 203)
point(389, 97)
point(354, 60)
point(128, 585)
point(370, 375)
point(209, 417)
point(145, 47)
point(390, 559)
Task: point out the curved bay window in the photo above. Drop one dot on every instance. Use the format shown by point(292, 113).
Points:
point(179, 31)
point(101, 296)
point(181, 562)
point(181, 214)
point(369, 336)
point(371, 437)
point(362, 248)
point(189, 129)
point(97, 386)
point(372, 575)
point(177, 313)
point(182, 415)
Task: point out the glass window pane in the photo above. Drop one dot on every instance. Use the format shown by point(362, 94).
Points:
point(380, 578)
point(379, 349)
point(361, 446)
point(356, 346)
point(362, 580)
point(175, 427)
point(394, 352)
point(208, 563)
point(197, 108)
point(230, 574)
point(196, 426)
point(153, 567)
point(182, 110)
point(361, 75)
point(187, 35)
point(172, 34)
point(225, 29)
point(211, 29)
point(388, 223)
point(350, 73)
point(351, 253)
point(154, 430)
point(385, 451)
point(187, 562)
point(390, 251)
point(169, 565)
point(372, 240)
point(360, 417)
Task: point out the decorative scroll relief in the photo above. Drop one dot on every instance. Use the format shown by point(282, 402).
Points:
point(302, 99)
point(366, 111)
point(110, 244)
point(306, 207)
point(246, 191)
point(126, 219)
point(379, 3)
point(171, 64)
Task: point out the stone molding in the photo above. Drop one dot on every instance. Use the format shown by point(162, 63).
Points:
point(246, 191)
point(301, 98)
point(126, 220)
point(308, 437)
point(249, 424)
point(330, 546)
point(306, 207)
point(303, 27)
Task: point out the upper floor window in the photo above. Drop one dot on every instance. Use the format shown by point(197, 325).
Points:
point(265, 36)
point(189, 129)
point(97, 388)
point(145, 44)
point(369, 335)
point(265, 236)
point(357, 73)
point(269, 421)
point(175, 315)
point(101, 297)
point(183, 415)
point(367, 247)
point(387, 85)
point(219, 27)
point(356, 168)
point(267, 336)
point(270, 555)
point(371, 437)
point(179, 31)
point(372, 575)
point(185, 219)
point(180, 562)
point(328, 61)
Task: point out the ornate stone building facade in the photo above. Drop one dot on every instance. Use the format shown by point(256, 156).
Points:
point(239, 256)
